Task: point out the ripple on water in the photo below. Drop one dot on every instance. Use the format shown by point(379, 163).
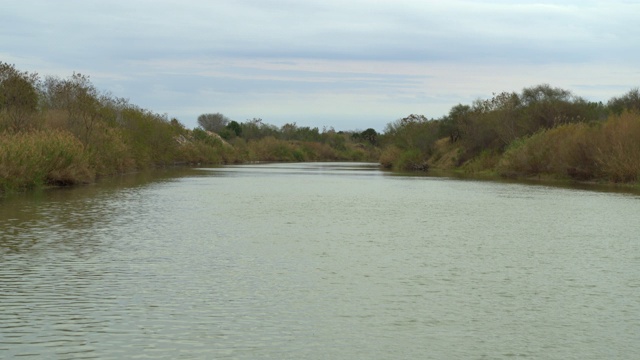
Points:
point(321, 263)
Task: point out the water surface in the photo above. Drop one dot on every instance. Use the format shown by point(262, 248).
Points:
point(319, 261)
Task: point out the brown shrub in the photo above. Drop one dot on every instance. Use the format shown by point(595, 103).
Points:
point(33, 159)
point(389, 156)
point(607, 151)
point(618, 148)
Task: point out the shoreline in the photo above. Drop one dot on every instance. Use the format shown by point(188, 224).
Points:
point(457, 174)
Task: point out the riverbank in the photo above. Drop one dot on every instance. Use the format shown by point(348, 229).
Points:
point(605, 153)
point(542, 132)
point(38, 159)
point(62, 132)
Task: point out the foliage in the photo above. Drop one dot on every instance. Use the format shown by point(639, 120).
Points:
point(412, 160)
point(235, 128)
point(272, 149)
point(292, 131)
point(103, 135)
point(109, 152)
point(39, 158)
point(617, 152)
point(256, 129)
point(370, 135)
point(487, 129)
point(629, 101)
point(213, 122)
point(608, 151)
point(18, 98)
point(78, 97)
point(65, 131)
point(399, 159)
point(412, 132)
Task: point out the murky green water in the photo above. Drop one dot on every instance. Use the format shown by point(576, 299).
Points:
point(319, 261)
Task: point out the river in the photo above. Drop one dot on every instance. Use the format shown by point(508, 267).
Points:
point(318, 261)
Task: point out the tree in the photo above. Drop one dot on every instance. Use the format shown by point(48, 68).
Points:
point(79, 99)
point(288, 131)
point(629, 101)
point(213, 122)
point(414, 132)
point(451, 125)
point(235, 127)
point(254, 129)
point(545, 107)
point(18, 96)
point(370, 135)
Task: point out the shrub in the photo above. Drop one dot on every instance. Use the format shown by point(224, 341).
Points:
point(608, 151)
point(35, 159)
point(108, 151)
point(316, 151)
point(487, 160)
point(389, 156)
point(199, 152)
point(411, 160)
point(560, 151)
point(618, 148)
point(272, 149)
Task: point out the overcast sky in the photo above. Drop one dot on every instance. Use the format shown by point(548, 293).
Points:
point(350, 64)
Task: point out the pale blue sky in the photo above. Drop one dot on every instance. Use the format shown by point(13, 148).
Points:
point(350, 64)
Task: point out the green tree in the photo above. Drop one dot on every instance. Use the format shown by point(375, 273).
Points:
point(256, 129)
point(235, 127)
point(451, 125)
point(370, 135)
point(409, 142)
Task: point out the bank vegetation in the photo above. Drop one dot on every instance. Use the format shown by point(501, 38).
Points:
point(64, 131)
point(541, 132)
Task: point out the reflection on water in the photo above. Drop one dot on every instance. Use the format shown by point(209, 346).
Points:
point(318, 261)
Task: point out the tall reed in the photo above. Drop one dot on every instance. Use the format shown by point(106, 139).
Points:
point(618, 148)
point(39, 158)
point(608, 151)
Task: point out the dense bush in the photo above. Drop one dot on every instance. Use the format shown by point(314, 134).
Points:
point(65, 131)
point(540, 131)
point(618, 148)
point(39, 158)
point(605, 151)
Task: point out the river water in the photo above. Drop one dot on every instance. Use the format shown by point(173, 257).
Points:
point(318, 261)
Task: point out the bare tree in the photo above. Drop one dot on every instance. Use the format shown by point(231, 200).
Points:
point(213, 122)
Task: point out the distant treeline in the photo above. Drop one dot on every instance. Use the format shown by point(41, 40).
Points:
point(63, 131)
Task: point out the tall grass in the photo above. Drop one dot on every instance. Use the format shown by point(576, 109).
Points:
point(40, 158)
point(271, 149)
point(618, 149)
point(398, 159)
point(108, 151)
point(69, 132)
point(608, 151)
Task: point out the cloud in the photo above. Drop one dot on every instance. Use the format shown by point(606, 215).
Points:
point(352, 61)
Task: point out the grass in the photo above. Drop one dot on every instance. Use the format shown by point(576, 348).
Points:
point(41, 158)
point(608, 151)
